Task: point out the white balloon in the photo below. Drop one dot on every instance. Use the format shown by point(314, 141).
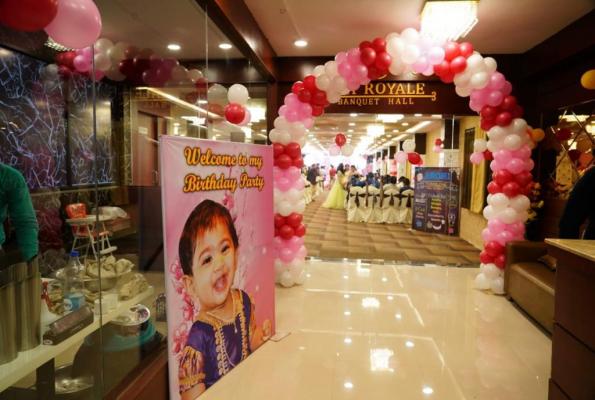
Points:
point(330, 68)
point(490, 271)
point(339, 83)
point(480, 145)
point(297, 129)
point(301, 279)
point(512, 142)
point(481, 282)
point(281, 123)
point(103, 45)
point(114, 74)
point(475, 63)
point(410, 35)
point(479, 80)
point(395, 46)
point(489, 198)
point(397, 67)
point(285, 208)
point(300, 207)
point(497, 133)
point(302, 142)
point(287, 279)
point(463, 79)
point(410, 54)
point(520, 203)
point(463, 91)
point(490, 64)
point(102, 62)
point(499, 201)
point(334, 150)
point(284, 138)
point(497, 286)
point(216, 94)
point(50, 72)
point(280, 267)
point(508, 215)
point(323, 82)
point(179, 73)
point(409, 146)
point(294, 195)
point(194, 75)
point(274, 135)
point(319, 70)
point(118, 52)
point(333, 97)
point(522, 216)
point(238, 94)
point(296, 266)
point(347, 150)
point(489, 213)
point(391, 36)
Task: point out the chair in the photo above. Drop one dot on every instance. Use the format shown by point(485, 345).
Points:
point(83, 230)
point(307, 192)
point(390, 207)
point(319, 185)
point(353, 204)
point(373, 211)
point(405, 207)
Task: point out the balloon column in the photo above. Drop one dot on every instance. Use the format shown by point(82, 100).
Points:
point(438, 146)
point(341, 146)
point(408, 153)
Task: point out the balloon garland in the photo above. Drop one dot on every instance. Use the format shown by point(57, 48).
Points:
point(509, 145)
point(341, 146)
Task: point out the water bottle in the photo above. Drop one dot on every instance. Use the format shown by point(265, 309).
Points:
point(74, 285)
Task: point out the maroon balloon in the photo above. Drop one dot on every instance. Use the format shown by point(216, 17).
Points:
point(523, 178)
point(155, 60)
point(235, 113)
point(340, 140)
point(502, 177)
point(293, 150)
point(69, 57)
point(489, 112)
point(488, 156)
point(294, 220)
point(284, 161)
point(126, 67)
point(511, 189)
point(164, 75)
point(500, 261)
point(310, 83)
point(150, 77)
point(216, 109)
point(279, 221)
point(60, 58)
point(304, 95)
point(504, 119)
point(494, 187)
point(574, 154)
point(485, 258)
point(508, 103)
point(141, 63)
point(296, 87)
point(526, 191)
point(379, 45)
point(487, 124)
point(373, 73)
point(297, 162)
point(286, 232)
point(201, 85)
point(383, 61)
point(517, 112)
point(317, 111)
point(365, 44)
point(130, 52)
point(300, 231)
point(65, 72)
point(493, 248)
point(170, 63)
point(278, 149)
point(368, 56)
point(442, 68)
point(28, 15)
point(319, 98)
point(564, 134)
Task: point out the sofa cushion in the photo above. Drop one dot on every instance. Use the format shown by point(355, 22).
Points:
point(548, 261)
point(538, 273)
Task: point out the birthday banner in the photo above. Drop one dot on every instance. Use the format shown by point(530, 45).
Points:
point(219, 255)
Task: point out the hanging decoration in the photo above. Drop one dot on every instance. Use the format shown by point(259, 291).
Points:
point(438, 146)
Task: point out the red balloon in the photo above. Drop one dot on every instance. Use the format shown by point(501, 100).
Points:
point(466, 49)
point(442, 68)
point(368, 56)
point(293, 150)
point(488, 156)
point(504, 119)
point(502, 177)
point(319, 98)
point(523, 178)
point(365, 44)
point(451, 50)
point(201, 84)
point(294, 220)
point(69, 57)
point(65, 72)
point(379, 45)
point(235, 113)
point(298, 162)
point(374, 73)
point(458, 65)
point(276, 232)
point(485, 258)
point(447, 78)
point(574, 154)
point(142, 63)
point(517, 112)
point(304, 95)
point(275, 162)
point(28, 15)
point(489, 112)
point(286, 232)
point(500, 261)
point(340, 140)
point(438, 142)
point(300, 231)
point(299, 85)
point(511, 189)
point(278, 149)
point(526, 191)
point(383, 61)
point(284, 161)
point(487, 124)
point(279, 221)
point(493, 248)
point(317, 111)
point(494, 188)
point(310, 83)
point(126, 67)
point(508, 103)
point(564, 134)
point(60, 58)
point(414, 158)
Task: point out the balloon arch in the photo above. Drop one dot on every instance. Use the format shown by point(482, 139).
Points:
point(509, 144)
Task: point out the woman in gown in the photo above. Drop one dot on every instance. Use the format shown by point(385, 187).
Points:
point(336, 197)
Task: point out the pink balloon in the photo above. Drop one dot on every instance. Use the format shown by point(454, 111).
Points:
point(353, 85)
point(282, 111)
point(516, 228)
point(77, 24)
point(286, 255)
point(278, 173)
point(494, 98)
point(341, 57)
point(99, 75)
point(503, 155)
point(283, 184)
point(365, 81)
point(306, 110)
point(292, 115)
point(170, 63)
point(81, 64)
point(299, 184)
point(345, 69)
point(293, 174)
point(295, 243)
point(353, 56)
point(523, 152)
point(291, 100)
point(475, 106)
point(247, 117)
point(504, 237)
point(421, 64)
point(476, 158)
point(515, 165)
point(487, 235)
point(279, 245)
point(506, 89)
point(479, 96)
point(360, 71)
point(308, 122)
point(436, 55)
point(497, 81)
point(301, 253)
point(496, 225)
point(496, 165)
point(401, 157)
point(528, 165)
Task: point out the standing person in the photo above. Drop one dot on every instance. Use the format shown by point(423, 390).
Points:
point(336, 198)
point(579, 208)
point(15, 199)
point(332, 173)
point(312, 174)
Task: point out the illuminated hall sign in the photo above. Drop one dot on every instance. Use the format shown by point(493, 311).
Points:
point(389, 94)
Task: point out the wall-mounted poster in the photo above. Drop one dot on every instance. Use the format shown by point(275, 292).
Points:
point(436, 206)
point(218, 233)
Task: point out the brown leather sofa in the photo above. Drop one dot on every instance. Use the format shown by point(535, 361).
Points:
point(529, 283)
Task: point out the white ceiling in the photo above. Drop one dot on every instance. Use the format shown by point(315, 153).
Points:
point(157, 23)
point(331, 26)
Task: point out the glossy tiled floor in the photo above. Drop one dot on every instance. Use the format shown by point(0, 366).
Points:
point(393, 332)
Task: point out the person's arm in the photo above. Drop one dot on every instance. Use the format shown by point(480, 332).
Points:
point(578, 206)
point(258, 335)
point(191, 374)
point(23, 216)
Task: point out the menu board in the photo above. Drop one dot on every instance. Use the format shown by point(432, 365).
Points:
point(436, 206)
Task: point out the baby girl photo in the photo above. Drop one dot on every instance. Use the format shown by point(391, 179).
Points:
point(220, 280)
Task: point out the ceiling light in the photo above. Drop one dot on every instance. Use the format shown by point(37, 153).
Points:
point(395, 130)
point(263, 130)
point(417, 127)
point(300, 43)
point(225, 46)
point(448, 20)
point(348, 385)
point(436, 116)
point(346, 296)
point(409, 344)
point(347, 313)
point(173, 46)
point(347, 340)
point(350, 130)
point(353, 115)
point(352, 124)
point(405, 124)
point(388, 136)
point(417, 115)
point(370, 302)
point(398, 316)
point(203, 101)
point(375, 130)
point(390, 118)
point(390, 297)
point(380, 359)
point(428, 390)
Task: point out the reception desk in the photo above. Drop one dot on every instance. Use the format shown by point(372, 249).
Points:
point(573, 352)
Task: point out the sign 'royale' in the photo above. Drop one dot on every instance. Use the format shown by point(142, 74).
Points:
point(395, 93)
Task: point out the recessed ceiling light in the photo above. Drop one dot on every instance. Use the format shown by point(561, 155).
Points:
point(395, 130)
point(349, 135)
point(428, 390)
point(398, 316)
point(176, 124)
point(405, 124)
point(225, 46)
point(348, 385)
point(300, 43)
point(352, 124)
point(353, 115)
point(173, 46)
point(388, 136)
point(417, 115)
point(409, 344)
point(263, 130)
point(203, 101)
point(347, 340)
point(350, 130)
